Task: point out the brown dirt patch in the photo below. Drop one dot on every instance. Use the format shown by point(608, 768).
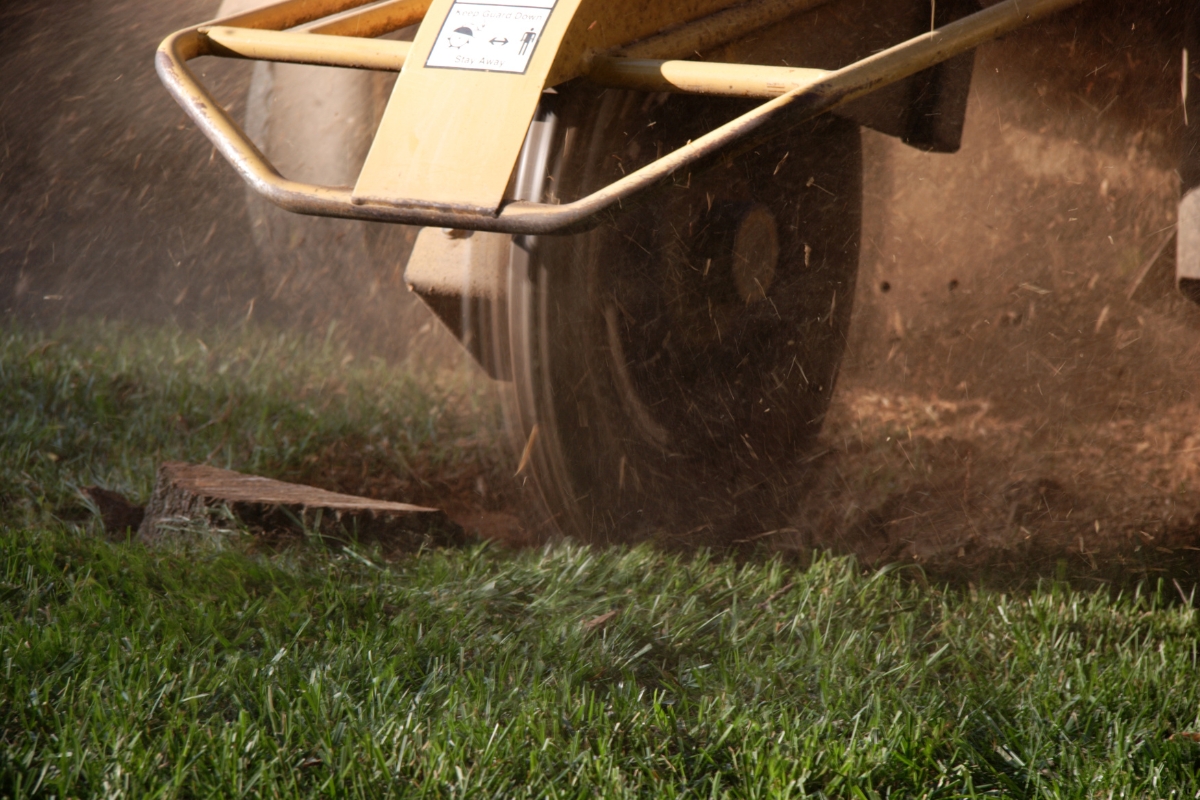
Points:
point(1018, 398)
point(970, 496)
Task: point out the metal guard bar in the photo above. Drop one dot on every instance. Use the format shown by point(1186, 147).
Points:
point(521, 217)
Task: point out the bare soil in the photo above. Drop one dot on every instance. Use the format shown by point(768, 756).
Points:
point(1019, 398)
point(971, 496)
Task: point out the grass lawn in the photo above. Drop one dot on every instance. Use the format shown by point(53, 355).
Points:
point(222, 668)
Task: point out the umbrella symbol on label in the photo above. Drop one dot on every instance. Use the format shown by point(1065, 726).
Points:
point(460, 38)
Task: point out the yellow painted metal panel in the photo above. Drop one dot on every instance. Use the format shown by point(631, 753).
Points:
point(451, 136)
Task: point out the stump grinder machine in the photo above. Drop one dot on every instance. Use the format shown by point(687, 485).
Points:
point(644, 215)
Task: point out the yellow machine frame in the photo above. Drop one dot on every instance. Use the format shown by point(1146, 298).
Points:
point(450, 139)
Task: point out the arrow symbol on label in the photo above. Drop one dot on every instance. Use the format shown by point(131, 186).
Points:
point(499, 41)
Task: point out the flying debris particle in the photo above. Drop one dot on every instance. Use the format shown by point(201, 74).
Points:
point(779, 166)
point(1100, 320)
point(1183, 86)
point(749, 447)
point(596, 622)
point(812, 183)
point(1144, 270)
point(528, 451)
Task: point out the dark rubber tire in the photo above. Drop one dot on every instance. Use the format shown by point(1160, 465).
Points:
point(672, 402)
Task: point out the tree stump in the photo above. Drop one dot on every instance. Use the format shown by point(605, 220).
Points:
point(187, 495)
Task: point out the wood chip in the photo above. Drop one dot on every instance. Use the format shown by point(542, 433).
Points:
point(597, 622)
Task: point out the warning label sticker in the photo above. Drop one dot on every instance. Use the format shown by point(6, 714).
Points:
point(492, 37)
